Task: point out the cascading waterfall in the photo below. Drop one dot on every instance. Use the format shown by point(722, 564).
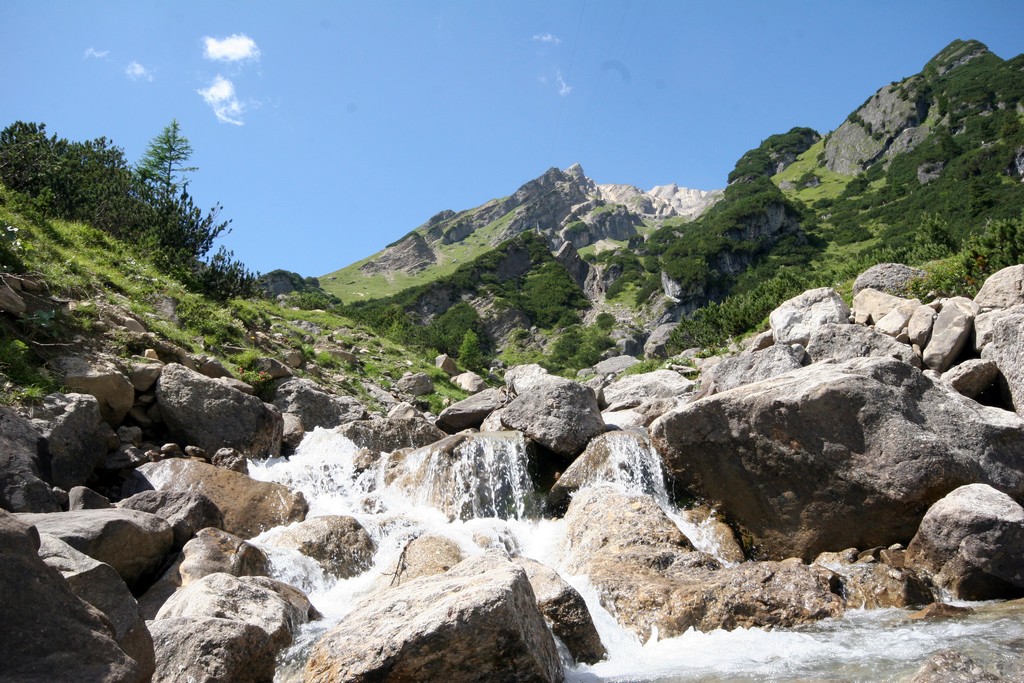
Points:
point(476, 490)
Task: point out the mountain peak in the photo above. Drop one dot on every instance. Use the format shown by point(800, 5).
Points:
point(957, 53)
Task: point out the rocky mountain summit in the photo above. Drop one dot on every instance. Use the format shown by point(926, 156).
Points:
point(862, 456)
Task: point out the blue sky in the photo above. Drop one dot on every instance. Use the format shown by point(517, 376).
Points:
point(329, 129)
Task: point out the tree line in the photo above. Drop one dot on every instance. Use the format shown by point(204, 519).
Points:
point(147, 204)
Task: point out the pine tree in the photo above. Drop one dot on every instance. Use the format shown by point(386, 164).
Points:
point(166, 158)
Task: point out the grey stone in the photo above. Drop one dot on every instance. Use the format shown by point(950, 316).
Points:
point(633, 390)
point(471, 412)
point(102, 379)
point(891, 278)
point(794, 320)
point(23, 458)
point(843, 342)
point(417, 384)
point(950, 333)
point(972, 377)
point(735, 371)
point(77, 445)
point(557, 413)
point(338, 543)
point(386, 435)
point(186, 511)
point(1006, 349)
point(215, 551)
point(1002, 289)
point(212, 650)
point(314, 406)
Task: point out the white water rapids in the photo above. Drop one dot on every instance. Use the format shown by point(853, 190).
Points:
point(484, 498)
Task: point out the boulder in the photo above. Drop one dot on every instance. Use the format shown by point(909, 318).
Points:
point(404, 411)
point(214, 551)
point(133, 543)
point(46, 632)
point(950, 333)
point(837, 455)
point(144, 373)
point(275, 607)
point(446, 363)
point(1002, 289)
point(557, 413)
point(386, 435)
point(891, 278)
point(102, 379)
point(656, 345)
point(479, 621)
point(972, 377)
point(314, 406)
point(338, 543)
point(416, 384)
point(292, 434)
point(615, 365)
point(249, 507)
point(919, 327)
point(622, 457)
point(82, 498)
point(632, 390)
point(1006, 350)
point(566, 610)
point(469, 381)
point(231, 459)
point(521, 379)
point(735, 371)
point(972, 544)
point(186, 511)
point(71, 425)
point(204, 412)
point(99, 585)
point(649, 576)
point(871, 305)
point(895, 322)
point(24, 461)
point(843, 342)
point(426, 555)
point(211, 650)
point(794, 320)
point(869, 584)
point(470, 412)
point(950, 666)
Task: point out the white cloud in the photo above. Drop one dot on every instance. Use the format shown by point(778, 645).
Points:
point(235, 48)
point(96, 54)
point(563, 87)
point(547, 38)
point(221, 98)
point(136, 71)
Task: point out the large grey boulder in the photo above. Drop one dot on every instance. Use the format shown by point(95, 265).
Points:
point(186, 511)
point(794, 320)
point(71, 424)
point(870, 306)
point(275, 607)
point(1006, 349)
point(972, 377)
point(632, 390)
point(566, 611)
point(133, 543)
point(656, 345)
point(211, 650)
point(843, 342)
point(386, 435)
point(338, 543)
point(972, 544)
point(478, 621)
point(891, 278)
point(415, 383)
point(1002, 289)
point(47, 633)
point(735, 371)
point(249, 507)
point(314, 406)
point(102, 379)
point(24, 460)
point(99, 585)
point(470, 412)
point(950, 333)
point(557, 413)
point(849, 454)
point(649, 576)
point(204, 412)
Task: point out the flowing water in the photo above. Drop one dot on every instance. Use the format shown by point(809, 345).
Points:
point(477, 492)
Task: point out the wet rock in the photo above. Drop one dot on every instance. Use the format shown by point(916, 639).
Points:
point(386, 435)
point(876, 585)
point(211, 650)
point(133, 543)
point(231, 459)
point(426, 555)
point(40, 610)
point(271, 605)
point(99, 585)
point(818, 457)
point(338, 543)
point(972, 544)
point(214, 551)
point(794, 320)
point(314, 406)
point(566, 611)
point(950, 666)
point(249, 507)
point(478, 621)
